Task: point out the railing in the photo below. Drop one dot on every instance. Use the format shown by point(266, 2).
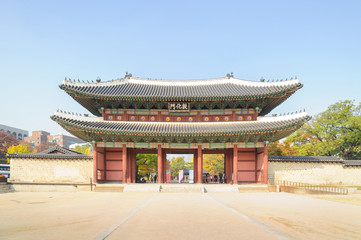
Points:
point(328, 189)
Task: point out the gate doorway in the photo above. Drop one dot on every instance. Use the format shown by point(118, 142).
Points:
point(214, 168)
point(146, 168)
point(179, 168)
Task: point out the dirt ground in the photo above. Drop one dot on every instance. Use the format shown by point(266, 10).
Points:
point(352, 198)
point(218, 215)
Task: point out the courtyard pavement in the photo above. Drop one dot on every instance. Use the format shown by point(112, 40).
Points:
point(91, 215)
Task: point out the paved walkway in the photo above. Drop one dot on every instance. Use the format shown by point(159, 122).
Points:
point(89, 215)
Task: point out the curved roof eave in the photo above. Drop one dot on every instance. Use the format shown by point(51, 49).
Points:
point(97, 124)
point(192, 89)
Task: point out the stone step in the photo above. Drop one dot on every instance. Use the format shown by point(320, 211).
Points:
point(5, 188)
point(253, 188)
point(142, 187)
point(108, 188)
point(220, 188)
point(176, 188)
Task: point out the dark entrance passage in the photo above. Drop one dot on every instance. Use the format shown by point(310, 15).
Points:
point(146, 168)
point(214, 168)
point(179, 168)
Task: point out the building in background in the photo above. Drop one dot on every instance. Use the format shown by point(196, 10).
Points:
point(43, 137)
point(37, 138)
point(17, 132)
point(64, 140)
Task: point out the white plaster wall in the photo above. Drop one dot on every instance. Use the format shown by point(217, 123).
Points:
point(51, 170)
point(315, 173)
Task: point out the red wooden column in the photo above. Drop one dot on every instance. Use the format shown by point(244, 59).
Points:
point(160, 165)
point(195, 167)
point(235, 164)
point(199, 165)
point(129, 165)
point(229, 165)
point(95, 163)
point(265, 165)
point(124, 161)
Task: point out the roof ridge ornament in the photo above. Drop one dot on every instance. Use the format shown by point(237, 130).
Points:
point(230, 75)
point(128, 75)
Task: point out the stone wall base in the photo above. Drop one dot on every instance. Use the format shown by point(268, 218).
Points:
point(24, 187)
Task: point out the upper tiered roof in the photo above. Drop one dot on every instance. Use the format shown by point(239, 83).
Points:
point(264, 95)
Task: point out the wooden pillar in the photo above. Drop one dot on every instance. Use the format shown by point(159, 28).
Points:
point(199, 165)
point(160, 165)
point(229, 165)
point(95, 163)
point(134, 173)
point(195, 166)
point(164, 161)
point(235, 164)
point(129, 165)
point(124, 161)
point(265, 165)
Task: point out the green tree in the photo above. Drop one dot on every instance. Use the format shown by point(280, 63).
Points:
point(334, 132)
point(85, 149)
point(213, 163)
point(189, 165)
point(176, 164)
point(147, 164)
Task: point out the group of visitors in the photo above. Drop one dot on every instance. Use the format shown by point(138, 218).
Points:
point(153, 179)
point(220, 178)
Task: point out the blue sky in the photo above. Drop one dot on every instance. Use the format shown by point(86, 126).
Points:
point(42, 42)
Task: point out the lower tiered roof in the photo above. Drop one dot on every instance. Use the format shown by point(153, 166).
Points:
point(264, 129)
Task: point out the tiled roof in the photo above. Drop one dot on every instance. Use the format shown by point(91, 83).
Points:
point(352, 163)
point(305, 159)
point(220, 89)
point(52, 153)
point(57, 148)
point(190, 129)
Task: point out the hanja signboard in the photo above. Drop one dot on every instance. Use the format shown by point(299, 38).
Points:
point(178, 107)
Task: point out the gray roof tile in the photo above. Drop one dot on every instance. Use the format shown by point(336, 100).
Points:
point(50, 153)
point(352, 163)
point(305, 159)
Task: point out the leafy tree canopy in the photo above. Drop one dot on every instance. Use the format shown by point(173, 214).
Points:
point(85, 149)
point(334, 132)
point(177, 164)
point(6, 140)
point(20, 148)
point(147, 164)
point(213, 163)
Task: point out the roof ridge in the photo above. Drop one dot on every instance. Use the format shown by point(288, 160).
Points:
point(58, 148)
point(195, 82)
